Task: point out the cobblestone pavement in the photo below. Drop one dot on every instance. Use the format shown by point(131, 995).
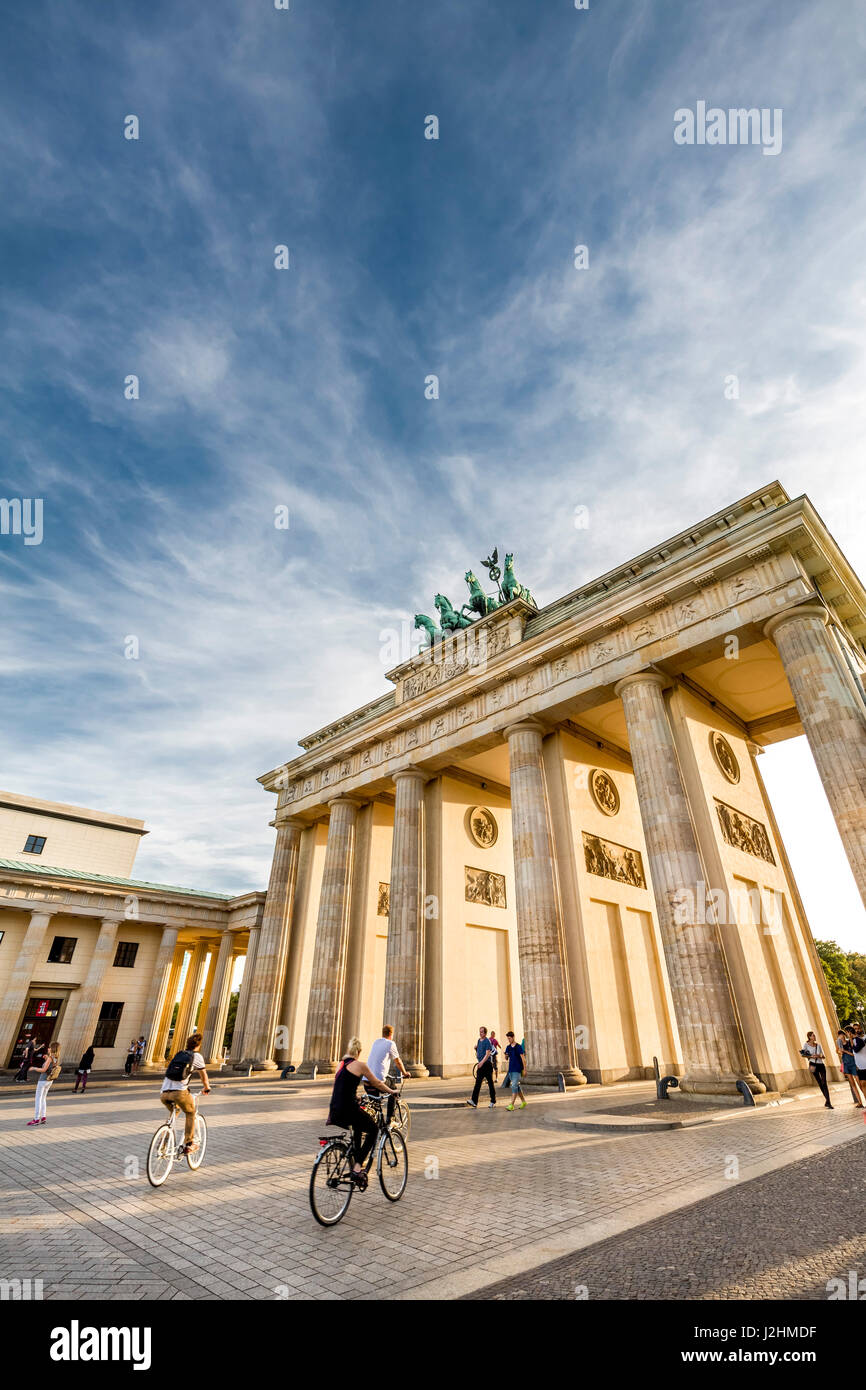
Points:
point(490, 1193)
point(781, 1236)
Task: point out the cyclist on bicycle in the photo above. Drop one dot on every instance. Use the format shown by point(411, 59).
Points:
point(175, 1087)
point(346, 1111)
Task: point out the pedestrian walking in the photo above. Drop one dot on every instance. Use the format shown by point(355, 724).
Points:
point(497, 1052)
point(27, 1061)
point(514, 1053)
point(813, 1050)
point(48, 1073)
point(845, 1048)
point(130, 1058)
point(83, 1070)
point(858, 1043)
point(484, 1054)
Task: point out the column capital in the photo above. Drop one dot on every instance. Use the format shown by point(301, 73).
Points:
point(344, 801)
point(524, 726)
point(410, 771)
point(38, 915)
point(642, 678)
point(805, 610)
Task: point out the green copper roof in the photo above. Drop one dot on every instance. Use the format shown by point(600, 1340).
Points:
point(16, 866)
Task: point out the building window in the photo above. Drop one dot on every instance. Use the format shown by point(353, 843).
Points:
point(126, 953)
point(62, 949)
point(35, 844)
point(106, 1028)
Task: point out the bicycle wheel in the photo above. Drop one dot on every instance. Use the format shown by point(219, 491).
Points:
point(331, 1184)
point(160, 1155)
point(392, 1165)
point(402, 1118)
point(200, 1137)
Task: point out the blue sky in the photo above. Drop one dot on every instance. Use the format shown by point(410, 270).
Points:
point(559, 388)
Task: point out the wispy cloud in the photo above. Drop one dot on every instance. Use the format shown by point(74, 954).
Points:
point(603, 388)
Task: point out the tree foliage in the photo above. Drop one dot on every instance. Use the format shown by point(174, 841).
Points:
point(845, 973)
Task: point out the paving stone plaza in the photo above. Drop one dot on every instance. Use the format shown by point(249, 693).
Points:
point(571, 1198)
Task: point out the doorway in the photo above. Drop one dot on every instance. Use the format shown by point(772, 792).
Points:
point(38, 1026)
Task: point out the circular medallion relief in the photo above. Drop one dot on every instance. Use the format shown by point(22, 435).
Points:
point(603, 791)
point(482, 826)
point(725, 756)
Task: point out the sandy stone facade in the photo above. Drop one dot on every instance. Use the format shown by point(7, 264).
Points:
point(88, 956)
point(561, 812)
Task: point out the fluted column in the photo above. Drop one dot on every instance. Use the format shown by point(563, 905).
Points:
point(324, 1015)
point(83, 1024)
point(547, 1015)
point(833, 718)
point(28, 958)
point(713, 1047)
point(154, 1004)
point(404, 965)
point(269, 971)
point(189, 998)
point(244, 996)
point(218, 1005)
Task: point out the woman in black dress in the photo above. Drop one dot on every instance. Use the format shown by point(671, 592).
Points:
point(82, 1071)
point(345, 1109)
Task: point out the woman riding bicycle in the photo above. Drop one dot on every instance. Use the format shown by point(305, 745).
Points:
point(346, 1111)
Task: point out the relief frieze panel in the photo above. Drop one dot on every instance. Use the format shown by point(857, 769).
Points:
point(610, 860)
point(485, 887)
point(743, 832)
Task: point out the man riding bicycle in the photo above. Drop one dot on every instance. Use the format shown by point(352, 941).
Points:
point(345, 1109)
point(175, 1088)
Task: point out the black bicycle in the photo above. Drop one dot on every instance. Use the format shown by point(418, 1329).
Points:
point(332, 1180)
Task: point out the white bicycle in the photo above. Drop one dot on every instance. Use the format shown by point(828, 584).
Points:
point(166, 1148)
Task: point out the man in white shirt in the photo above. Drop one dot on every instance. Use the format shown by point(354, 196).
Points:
point(383, 1052)
point(175, 1088)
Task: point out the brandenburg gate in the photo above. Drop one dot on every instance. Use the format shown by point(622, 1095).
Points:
point(554, 821)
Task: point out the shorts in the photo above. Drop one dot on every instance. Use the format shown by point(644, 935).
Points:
point(514, 1080)
point(848, 1066)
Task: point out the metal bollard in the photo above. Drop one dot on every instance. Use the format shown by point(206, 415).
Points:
point(745, 1091)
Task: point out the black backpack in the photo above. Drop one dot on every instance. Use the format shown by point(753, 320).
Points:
point(180, 1066)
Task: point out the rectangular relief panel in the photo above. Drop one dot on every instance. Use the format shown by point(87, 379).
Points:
point(743, 832)
point(484, 886)
point(610, 860)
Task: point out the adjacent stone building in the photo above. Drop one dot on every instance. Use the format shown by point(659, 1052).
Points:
point(555, 821)
point(88, 954)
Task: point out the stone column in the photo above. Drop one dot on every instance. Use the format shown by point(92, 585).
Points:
point(189, 998)
point(244, 995)
point(547, 1016)
point(833, 719)
point(160, 1045)
point(324, 1016)
point(266, 989)
point(26, 961)
point(155, 1002)
point(404, 965)
point(711, 1038)
point(218, 1006)
point(79, 1035)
